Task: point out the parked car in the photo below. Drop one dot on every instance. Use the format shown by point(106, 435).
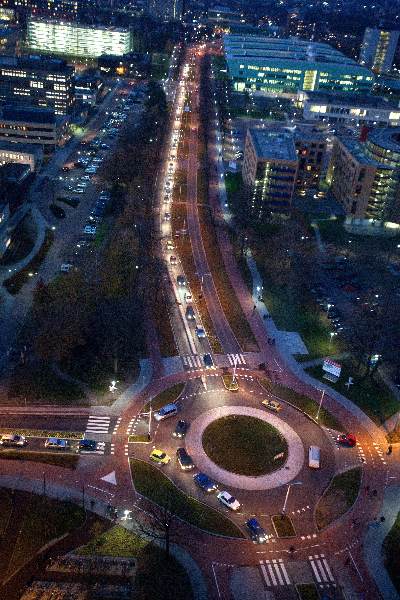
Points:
point(57, 443)
point(57, 211)
point(13, 439)
point(184, 459)
point(229, 501)
point(180, 429)
point(87, 445)
point(205, 483)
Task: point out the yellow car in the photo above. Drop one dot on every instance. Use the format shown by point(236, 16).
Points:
point(272, 405)
point(160, 457)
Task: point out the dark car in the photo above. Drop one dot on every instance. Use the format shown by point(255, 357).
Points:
point(257, 533)
point(57, 211)
point(184, 459)
point(88, 445)
point(208, 361)
point(204, 482)
point(180, 429)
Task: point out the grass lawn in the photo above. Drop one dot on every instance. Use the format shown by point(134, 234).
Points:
point(229, 383)
point(283, 526)
point(32, 384)
point(371, 395)
point(5, 509)
point(153, 484)
point(226, 294)
point(303, 402)
point(68, 461)
point(307, 591)
point(391, 547)
point(69, 435)
point(244, 445)
point(43, 520)
point(165, 397)
point(339, 497)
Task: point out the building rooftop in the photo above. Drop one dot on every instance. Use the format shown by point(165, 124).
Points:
point(14, 173)
point(386, 137)
point(367, 101)
point(357, 149)
point(21, 148)
point(277, 145)
point(28, 114)
point(75, 25)
point(35, 61)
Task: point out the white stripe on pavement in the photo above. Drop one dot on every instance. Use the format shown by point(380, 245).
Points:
point(283, 569)
point(327, 568)
point(271, 572)
point(278, 573)
point(314, 568)
point(265, 574)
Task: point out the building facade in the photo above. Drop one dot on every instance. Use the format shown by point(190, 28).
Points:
point(269, 171)
point(378, 49)
point(37, 81)
point(366, 175)
point(77, 40)
point(276, 65)
point(311, 149)
point(351, 109)
point(21, 154)
point(166, 10)
point(32, 126)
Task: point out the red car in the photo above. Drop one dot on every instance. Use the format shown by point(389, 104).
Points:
point(347, 439)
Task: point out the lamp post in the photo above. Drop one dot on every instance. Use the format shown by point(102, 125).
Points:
point(287, 494)
point(320, 404)
point(331, 335)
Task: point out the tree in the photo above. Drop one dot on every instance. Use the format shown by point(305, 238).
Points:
point(159, 523)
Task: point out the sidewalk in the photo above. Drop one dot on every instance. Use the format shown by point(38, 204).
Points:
point(373, 543)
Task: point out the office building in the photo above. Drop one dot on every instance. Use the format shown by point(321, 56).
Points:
point(77, 40)
point(349, 109)
point(269, 171)
point(37, 81)
point(166, 10)
point(88, 89)
point(366, 175)
point(21, 154)
point(285, 66)
point(378, 49)
point(32, 126)
point(223, 15)
point(311, 148)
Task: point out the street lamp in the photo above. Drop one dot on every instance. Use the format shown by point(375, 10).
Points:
point(287, 494)
point(331, 335)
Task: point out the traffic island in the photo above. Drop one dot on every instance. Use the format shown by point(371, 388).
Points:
point(339, 497)
point(61, 459)
point(245, 445)
point(283, 526)
point(230, 383)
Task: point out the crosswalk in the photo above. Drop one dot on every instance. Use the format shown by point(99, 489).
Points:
point(98, 424)
point(274, 572)
point(239, 359)
point(321, 570)
point(192, 361)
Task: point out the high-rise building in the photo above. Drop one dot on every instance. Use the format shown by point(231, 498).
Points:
point(76, 39)
point(378, 49)
point(279, 65)
point(166, 10)
point(37, 81)
point(269, 171)
point(366, 175)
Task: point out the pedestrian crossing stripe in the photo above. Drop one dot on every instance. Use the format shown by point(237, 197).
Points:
point(98, 424)
point(239, 359)
point(274, 572)
point(321, 569)
point(192, 361)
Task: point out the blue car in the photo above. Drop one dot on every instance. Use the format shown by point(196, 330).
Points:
point(88, 445)
point(204, 482)
point(257, 533)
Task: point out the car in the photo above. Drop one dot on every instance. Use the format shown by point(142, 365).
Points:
point(180, 429)
point(200, 333)
point(87, 445)
point(170, 245)
point(257, 533)
point(184, 459)
point(180, 280)
point(173, 260)
point(66, 267)
point(188, 298)
point(90, 229)
point(160, 457)
point(228, 500)
point(190, 314)
point(167, 217)
point(273, 405)
point(347, 439)
point(13, 439)
point(57, 443)
point(205, 483)
point(208, 361)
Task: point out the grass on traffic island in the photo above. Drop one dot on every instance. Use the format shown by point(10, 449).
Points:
point(230, 384)
point(64, 459)
point(369, 393)
point(154, 485)
point(307, 591)
point(157, 577)
point(140, 438)
point(304, 403)
point(283, 526)
point(245, 445)
point(391, 553)
point(43, 433)
point(165, 397)
point(339, 497)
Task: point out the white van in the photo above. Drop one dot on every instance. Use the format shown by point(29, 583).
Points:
point(314, 457)
point(169, 410)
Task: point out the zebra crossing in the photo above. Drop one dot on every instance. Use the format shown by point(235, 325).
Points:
point(192, 361)
point(321, 570)
point(237, 359)
point(97, 424)
point(274, 572)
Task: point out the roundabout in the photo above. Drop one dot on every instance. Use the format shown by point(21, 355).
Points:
point(289, 442)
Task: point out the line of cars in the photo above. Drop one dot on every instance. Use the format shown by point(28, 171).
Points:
point(16, 440)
